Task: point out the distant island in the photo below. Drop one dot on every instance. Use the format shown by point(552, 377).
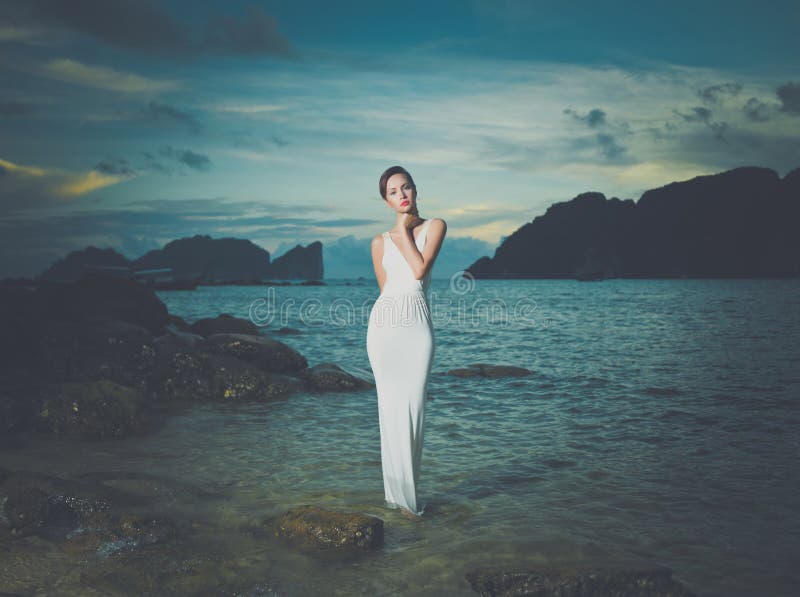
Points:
point(739, 223)
point(187, 262)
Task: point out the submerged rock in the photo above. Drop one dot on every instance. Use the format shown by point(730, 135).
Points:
point(489, 370)
point(319, 528)
point(95, 409)
point(331, 377)
point(577, 582)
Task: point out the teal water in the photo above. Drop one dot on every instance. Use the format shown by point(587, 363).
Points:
point(659, 426)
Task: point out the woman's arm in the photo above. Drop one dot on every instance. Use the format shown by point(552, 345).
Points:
point(421, 263)
point(377, 258)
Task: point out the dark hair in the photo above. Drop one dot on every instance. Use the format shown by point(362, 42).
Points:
point(391, 172)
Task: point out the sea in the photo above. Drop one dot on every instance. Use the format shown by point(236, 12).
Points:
point(658, 427)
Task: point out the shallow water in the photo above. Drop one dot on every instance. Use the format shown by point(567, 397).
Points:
point(659, 427)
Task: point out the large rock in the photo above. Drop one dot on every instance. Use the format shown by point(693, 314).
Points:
point(319, 528)
point(265, 353)
point(99, 297)
point(94, 409)
point(230, 378)
point(577, 582)
point(179, 373)
point(115, 350)
point(224, 324)
point(332, 378)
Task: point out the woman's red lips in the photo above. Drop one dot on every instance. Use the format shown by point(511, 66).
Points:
point(404, 202)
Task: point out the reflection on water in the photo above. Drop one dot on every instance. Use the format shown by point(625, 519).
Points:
point(659, 426)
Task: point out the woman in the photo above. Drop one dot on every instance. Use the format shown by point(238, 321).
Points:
point(400, 340)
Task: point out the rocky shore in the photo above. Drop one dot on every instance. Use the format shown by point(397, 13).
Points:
point(102, 358)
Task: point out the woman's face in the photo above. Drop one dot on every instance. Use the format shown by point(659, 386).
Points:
point(400, 195)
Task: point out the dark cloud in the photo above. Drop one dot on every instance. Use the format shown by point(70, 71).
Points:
point(15, 108)
point(704, 115)
point(609, 145)
point(756, 110)
point(789, 94)
point(257, 33)
point(594, 118)
point(115, 166)
point(698, 114)
point(145, 26)
point(714, 93)
point(197, 161)
point(137, 24)
point(157, 112)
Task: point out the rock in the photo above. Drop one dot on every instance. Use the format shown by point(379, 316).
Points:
point(577, 582)
point(331, 377)
point(489, 370)
point(95, 409)
point(24, 510)
point(232, 379)
point(179, 373)
point(224, 324)
point(176, 322)
point(115, 350)
point(265, 353)
point(286, 331)
point(100, 297)
point(15, 409)
point(319, 528)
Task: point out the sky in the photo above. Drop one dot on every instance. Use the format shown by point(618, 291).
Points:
point(130, 123)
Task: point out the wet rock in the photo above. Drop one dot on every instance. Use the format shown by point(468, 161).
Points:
point(233, 379)
point(331, 377)
point(318, 528)
point(577, 582)
point(266, 353)
point(169, 568)
point(24, 510)
point(287, 331)
point(179, 371)
point(489, 370)
point(116, 350)
point(95, 409)
point(99, 297)
point(176, 322)
point(224, 324)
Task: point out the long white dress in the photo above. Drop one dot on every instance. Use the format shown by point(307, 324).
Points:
point(400, 346)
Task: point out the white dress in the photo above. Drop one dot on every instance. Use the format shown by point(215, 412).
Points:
point(400, 346)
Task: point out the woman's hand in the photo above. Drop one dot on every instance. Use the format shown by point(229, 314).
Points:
point(410, 219)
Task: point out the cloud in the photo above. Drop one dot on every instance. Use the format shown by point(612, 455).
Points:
point(145, 26)
point(755, 110)
point(715, 93)
point(159, 113)
point(256, 33)
point(196, 161)
point(115, 166)
point(15, 108)
point(594, 118)
point(101, 77)
point(704, 115)
point(789, 94)
point(33, 187)
point(609, 146)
